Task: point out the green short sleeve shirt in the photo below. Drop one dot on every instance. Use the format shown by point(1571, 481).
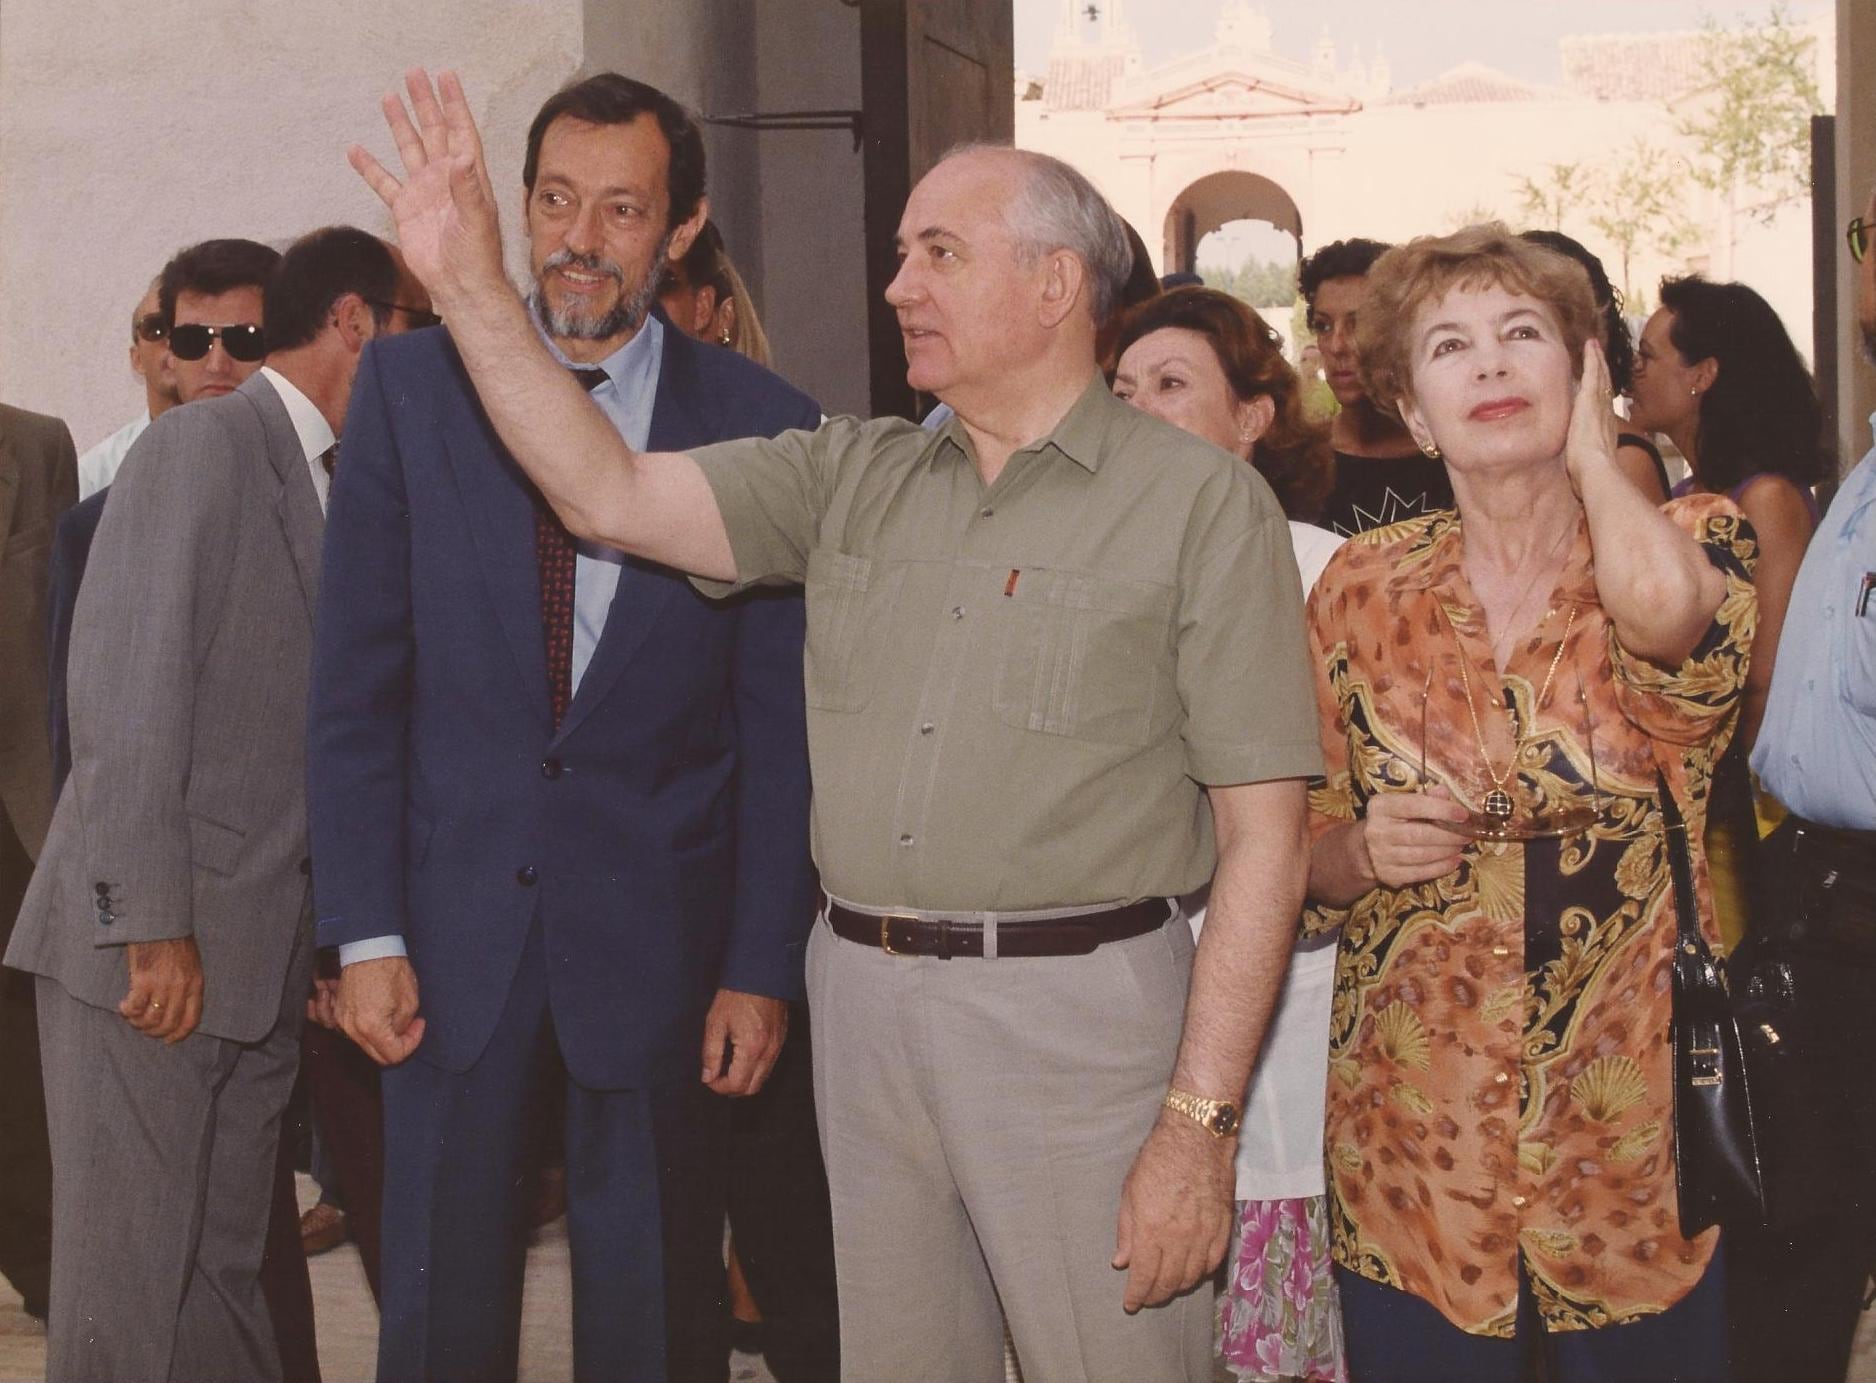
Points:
point(1017, 693)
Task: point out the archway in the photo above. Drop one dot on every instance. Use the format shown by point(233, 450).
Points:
point(1217, 200)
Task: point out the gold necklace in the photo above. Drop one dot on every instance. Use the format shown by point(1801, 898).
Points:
point(1498, 804)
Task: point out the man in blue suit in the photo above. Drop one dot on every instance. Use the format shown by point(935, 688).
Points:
point(557, 797)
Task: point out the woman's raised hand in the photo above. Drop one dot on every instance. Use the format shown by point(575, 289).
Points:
point(1591, 441)
point(447, 226)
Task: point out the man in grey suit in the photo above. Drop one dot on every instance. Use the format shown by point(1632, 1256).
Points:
point(38, 481)
point(169, 923)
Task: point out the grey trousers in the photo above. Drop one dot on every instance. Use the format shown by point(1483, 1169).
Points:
point(978, 1118)
point(162, 1178)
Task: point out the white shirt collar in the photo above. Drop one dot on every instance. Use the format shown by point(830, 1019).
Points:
point(309, 425)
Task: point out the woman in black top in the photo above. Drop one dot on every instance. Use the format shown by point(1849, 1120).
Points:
point(1381, 477)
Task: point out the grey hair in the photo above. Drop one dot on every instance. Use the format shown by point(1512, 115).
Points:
point(1057, 208)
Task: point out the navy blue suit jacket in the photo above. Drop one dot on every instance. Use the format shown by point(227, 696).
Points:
point(660, 834)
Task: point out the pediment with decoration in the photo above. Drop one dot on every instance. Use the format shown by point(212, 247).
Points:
point(1234, 93)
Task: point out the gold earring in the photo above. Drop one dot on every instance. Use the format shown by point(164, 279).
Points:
point(724, 339)
point(1432, 451)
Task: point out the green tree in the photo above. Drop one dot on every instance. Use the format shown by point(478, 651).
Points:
point(1477, 214)
point(1752, 130)
point(1636, 208)
point(1559, 189)
point(1259, 282)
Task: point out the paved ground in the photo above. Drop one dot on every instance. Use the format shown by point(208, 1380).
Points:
point(348, 1324)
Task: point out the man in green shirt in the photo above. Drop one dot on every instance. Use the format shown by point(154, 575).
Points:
point(1056, 677)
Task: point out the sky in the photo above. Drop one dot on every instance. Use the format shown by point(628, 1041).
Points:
point(1420, 38)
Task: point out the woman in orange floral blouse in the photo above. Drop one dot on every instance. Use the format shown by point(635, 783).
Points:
point(1499, 686)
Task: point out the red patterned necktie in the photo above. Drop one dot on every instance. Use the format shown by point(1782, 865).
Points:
point(555, 551)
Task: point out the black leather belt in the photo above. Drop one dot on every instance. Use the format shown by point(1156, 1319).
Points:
point(1074, 935)
point(1830, 851)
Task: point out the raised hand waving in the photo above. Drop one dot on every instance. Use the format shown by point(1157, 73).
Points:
point(447, 226)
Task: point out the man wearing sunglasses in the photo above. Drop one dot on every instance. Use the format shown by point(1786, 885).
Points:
point(210, 295)
point(149, 362)
point(170, 921)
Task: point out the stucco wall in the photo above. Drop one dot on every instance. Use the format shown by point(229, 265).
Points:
point(171, 122)
point(129, 130)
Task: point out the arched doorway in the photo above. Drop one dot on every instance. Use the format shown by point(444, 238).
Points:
point(1217, 200)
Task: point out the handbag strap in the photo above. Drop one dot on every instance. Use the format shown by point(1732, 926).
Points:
point(1680, 868)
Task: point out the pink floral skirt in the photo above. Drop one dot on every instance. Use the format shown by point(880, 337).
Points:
point(1279, 1317)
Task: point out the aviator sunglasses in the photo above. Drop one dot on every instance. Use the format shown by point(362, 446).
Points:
point(150, 327)
point(242, 341)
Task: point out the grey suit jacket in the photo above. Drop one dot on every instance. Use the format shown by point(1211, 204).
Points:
point(38, 481)
point(185, 813)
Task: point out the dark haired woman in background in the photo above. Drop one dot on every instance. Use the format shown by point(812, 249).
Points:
point(1638, 457)
point(1718, 374)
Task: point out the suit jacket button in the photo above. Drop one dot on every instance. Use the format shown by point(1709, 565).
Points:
point(526, 875)
point(107, 918)
point(306, 864)
point(104, 903)
point(103, 889)
point(551, 769)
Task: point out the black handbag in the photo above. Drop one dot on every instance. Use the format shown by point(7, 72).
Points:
point(1717, 1177)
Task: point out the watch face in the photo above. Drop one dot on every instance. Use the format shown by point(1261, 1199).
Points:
point(1225, 1121)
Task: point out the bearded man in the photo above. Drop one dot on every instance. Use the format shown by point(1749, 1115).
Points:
point(558, 797)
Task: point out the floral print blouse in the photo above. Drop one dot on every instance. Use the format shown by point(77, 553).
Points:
point(1500, 1079)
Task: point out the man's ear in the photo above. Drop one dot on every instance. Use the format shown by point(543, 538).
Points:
point(352, 316)
point(685, 233)
point(1064, 280)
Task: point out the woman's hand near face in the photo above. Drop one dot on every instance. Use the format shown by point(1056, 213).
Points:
point(1590, 444)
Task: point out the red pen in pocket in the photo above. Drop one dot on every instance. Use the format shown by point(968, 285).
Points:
point(1009, 587)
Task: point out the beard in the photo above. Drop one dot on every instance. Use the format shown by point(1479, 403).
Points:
point(579, 322)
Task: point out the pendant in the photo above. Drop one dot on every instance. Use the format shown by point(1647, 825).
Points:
point(1498, 805)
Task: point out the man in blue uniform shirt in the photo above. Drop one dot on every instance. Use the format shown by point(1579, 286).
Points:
point(1797, 1291)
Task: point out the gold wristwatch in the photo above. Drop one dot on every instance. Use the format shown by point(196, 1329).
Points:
point(1220, 1118)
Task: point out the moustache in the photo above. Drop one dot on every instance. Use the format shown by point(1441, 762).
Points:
point(586, 263)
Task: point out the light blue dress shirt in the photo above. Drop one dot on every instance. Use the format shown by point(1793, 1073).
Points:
point(1816, 751)
point(626, 398)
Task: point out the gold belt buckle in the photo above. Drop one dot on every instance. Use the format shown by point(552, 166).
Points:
point(885, 933)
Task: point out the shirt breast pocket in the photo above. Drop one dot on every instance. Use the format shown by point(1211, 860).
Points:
point(849, 599)
point(1085, 657)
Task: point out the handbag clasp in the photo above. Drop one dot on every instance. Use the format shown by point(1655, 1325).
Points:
point(1706, 1066)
